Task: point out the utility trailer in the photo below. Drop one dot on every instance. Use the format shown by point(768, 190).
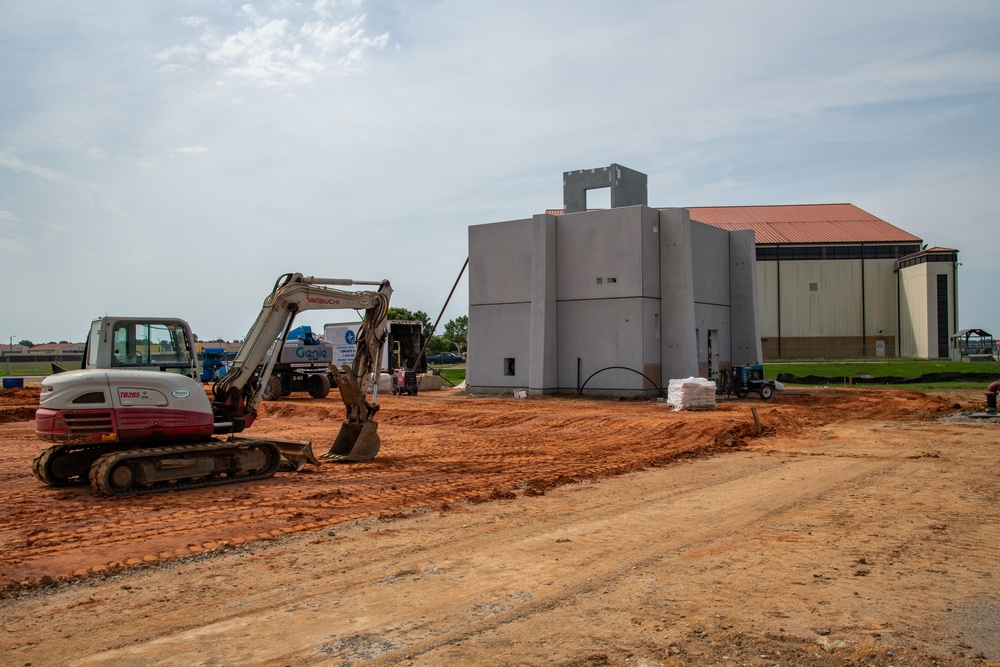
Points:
point(739, 381)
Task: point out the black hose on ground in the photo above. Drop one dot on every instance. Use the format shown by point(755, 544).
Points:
point(623, 368)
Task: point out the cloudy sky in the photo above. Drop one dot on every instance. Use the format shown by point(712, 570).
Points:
point(173, 158)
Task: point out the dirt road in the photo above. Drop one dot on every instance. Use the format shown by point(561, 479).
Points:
point(860, 529)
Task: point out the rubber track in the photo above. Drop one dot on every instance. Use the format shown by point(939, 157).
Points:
point(100, 471)
point(38, 464)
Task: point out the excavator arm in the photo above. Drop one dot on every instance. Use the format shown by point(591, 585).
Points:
point(237, 395)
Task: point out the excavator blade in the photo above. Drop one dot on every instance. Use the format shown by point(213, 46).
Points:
point(295, 454)
point(355, 442)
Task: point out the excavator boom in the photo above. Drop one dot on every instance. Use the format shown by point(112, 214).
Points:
point(239, 393)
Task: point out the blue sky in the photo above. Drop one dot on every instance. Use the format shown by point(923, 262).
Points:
point(173, 158)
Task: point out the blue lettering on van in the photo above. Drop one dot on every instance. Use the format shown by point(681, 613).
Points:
point(312, 353)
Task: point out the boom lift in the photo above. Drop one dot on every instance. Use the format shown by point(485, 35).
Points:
point(135, 420)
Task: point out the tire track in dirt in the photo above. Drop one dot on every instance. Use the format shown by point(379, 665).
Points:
point(681, 521)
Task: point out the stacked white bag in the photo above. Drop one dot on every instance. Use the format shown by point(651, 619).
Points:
point(691, 393)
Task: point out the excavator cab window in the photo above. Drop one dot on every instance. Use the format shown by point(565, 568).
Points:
point(160, 346)
point(93, 344)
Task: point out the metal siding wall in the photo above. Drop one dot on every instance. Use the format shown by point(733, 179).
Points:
point(767, 295)
point(880, 299)
point(833, 310)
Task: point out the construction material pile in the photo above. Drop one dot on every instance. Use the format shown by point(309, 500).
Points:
point(691, 392)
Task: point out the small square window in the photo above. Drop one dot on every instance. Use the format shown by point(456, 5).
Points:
point(813, 287)
point(508, 366)
point(600, 280)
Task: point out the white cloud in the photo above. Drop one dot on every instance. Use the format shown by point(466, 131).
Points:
point(19, 166)
point(276, 50)
point(8, 220)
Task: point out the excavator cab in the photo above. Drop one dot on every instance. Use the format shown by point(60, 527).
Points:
point(141, 343)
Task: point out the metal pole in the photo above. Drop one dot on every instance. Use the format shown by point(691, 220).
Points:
point(10, 349)
point(441, 314)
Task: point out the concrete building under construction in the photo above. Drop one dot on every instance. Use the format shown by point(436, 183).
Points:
point(621, 299)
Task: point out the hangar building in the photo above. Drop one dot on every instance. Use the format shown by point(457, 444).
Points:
point(835, 281)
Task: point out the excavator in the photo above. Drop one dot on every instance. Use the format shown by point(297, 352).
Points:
point(135, 419)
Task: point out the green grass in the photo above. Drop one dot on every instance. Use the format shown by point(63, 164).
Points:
point(453, 374)
point(905, 368)
point(833, 369)
point(35, 367)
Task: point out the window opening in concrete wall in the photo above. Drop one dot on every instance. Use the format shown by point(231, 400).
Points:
point(600, 281)
point(813, 287)
point(508, 366)
point(612, 280)
point(713, 355)
point(598, 198)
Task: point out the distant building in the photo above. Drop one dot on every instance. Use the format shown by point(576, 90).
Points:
point(56, 348)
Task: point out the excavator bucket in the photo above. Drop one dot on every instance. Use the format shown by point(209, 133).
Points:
point(355, 442)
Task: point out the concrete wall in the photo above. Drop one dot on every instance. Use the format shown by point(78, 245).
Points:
point(710, 258)
point(628, 287)
point(628, 187)
point(502, 270)
point(543, 369)
point(609, 254)
point(498, 332)
point(600, 334)
point(607, 288)
point(500, 303)
point(743, 299)
point(678, 339)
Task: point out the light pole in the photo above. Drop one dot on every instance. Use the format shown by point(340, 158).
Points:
point(10, 348)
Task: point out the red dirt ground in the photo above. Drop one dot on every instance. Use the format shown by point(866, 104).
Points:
point(437, 448)
point(859, 528)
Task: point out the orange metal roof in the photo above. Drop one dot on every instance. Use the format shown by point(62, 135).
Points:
point(804, 223)
point(800, 223)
